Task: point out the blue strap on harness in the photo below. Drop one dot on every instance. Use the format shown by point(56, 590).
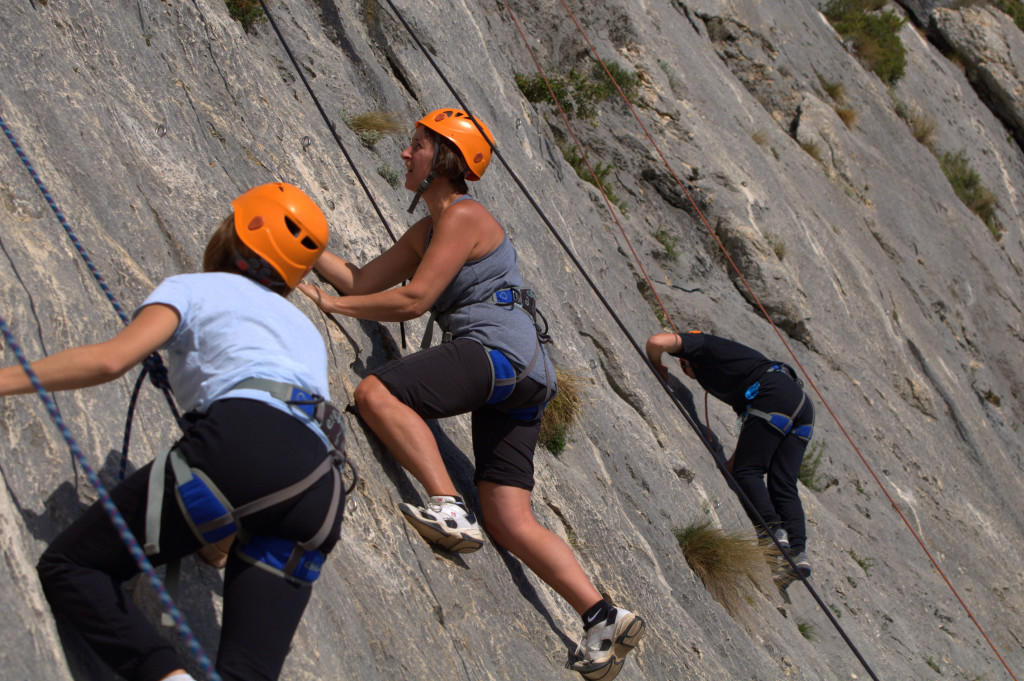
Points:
point(503, 380)
point(206, 510)
point(283, 557)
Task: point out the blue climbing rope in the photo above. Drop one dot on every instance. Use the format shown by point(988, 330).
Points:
point(153, 364)
point(63, 221)
point(115, 515)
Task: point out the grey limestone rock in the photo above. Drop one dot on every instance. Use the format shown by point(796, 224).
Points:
point(145, 118)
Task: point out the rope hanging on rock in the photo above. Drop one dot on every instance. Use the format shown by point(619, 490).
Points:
point(334, 134)
point(778, 332)
point(694, 424)
point(154, 365)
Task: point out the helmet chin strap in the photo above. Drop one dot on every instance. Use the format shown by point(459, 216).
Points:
point(425, 184)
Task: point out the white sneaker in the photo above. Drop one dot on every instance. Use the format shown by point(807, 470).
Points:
point(603, 648)
point(445, 522)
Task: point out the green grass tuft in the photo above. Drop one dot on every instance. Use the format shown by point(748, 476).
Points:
point(371, 126)
point(598, 178)
point(810, 464)
point(668, 242)
point(246, 12)
point(807, 630)
point(967, 185)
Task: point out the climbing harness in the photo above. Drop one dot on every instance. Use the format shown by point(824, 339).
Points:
point(212, 517)
point(504, 376)
point(778, 420)
point(783, 423)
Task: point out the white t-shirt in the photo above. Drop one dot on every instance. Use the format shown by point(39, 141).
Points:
point(231, 329)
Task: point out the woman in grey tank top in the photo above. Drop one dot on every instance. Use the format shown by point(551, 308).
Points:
point(461, 267)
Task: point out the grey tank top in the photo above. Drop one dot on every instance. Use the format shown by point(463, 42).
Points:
point(509, 329)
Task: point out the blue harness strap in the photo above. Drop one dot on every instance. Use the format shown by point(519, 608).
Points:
point(503, 376)
point(503, 382)
point(283, 557)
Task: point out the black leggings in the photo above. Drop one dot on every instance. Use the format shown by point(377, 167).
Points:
point(249, 450)
point(762, 451)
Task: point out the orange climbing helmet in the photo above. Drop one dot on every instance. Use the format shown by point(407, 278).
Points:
point(457, 126)
point(283, 226)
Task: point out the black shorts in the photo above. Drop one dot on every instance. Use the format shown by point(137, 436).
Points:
point(455, 378)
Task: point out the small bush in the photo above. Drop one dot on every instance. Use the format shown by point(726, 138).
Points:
point(921, 125)
point(847, 115)
point(1015, 10)
point(246, 12)
point(810, 464)
point(670, 73)
point(874, 35)
point(992, 398)
point(579, 92)
point(967, 185)
point(604, 88)
point(390, 175)
point(833, 88)
point(562, 411)
point(727, 563)
point(371, 126)
point(812, 149)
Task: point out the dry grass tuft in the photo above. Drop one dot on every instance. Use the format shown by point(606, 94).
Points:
point(812, 149)
point(372, 125)
point(729, 563)
point(562, 411)
point(847, 115)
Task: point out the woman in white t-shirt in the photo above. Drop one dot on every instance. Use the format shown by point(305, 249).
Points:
point(219, 327)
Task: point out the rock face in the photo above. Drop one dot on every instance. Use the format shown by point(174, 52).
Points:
point(144, 119)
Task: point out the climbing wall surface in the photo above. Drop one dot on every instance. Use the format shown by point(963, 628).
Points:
point(145, 119)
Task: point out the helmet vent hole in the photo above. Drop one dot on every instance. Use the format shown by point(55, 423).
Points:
point(297, 232)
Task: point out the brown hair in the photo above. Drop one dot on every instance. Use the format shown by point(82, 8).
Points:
point(450, 163)
point(224, 251)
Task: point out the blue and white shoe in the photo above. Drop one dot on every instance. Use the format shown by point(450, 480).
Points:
point(447, 522)
point(604, 646)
